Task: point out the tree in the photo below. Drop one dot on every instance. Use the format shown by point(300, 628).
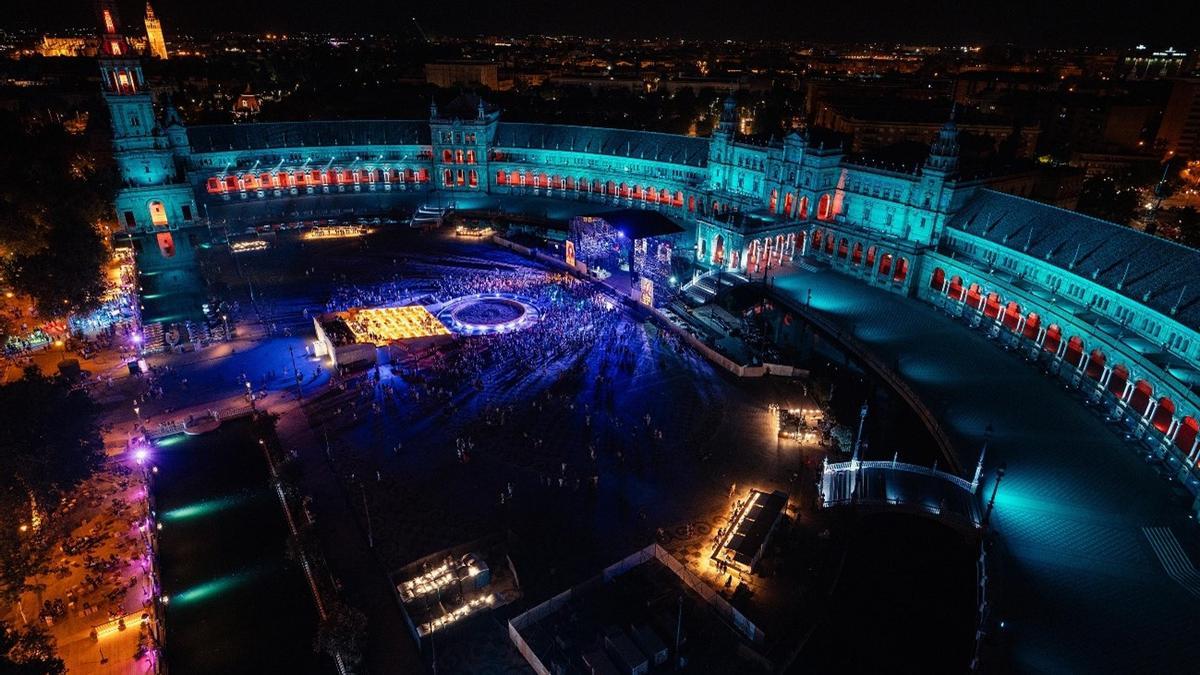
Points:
point(343, 632)
point(67, 273)
point(28, 651)
point(49, 443)
point(1109, 197)
point(55, 188)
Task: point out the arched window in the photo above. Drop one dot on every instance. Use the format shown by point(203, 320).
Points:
point(473, 178)
point(844, 248)
point(885, 264)
point(1117, 380)
point(829, 244)
point(857, 256)
point(158, 214)
point(901, 272)
point(802, 210)
point(501, 178)
point(470, 157)
point(1163, 416)
point(1185, 437)
point(825, 207)
point(956, 287)
point(938, 279)
point(1053, 338)
point(1012, 315)
point(1032, 323)
point(447, 177)
point(789, 200)
point(1095, 366)
point(774, 202)
point(816, 239)
point(1074, 353)
point(991, 308)
point(447, 156)
point(1139, 400)
point(871, 257)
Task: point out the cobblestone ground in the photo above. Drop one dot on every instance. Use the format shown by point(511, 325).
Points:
point(1083, 590)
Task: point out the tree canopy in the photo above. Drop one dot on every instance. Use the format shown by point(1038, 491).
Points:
point(54, 189)
point(49, 442)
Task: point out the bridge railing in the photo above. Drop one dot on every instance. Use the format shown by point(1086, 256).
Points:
point(884, 371)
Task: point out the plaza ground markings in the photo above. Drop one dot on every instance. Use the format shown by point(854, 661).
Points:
point(1173, 558)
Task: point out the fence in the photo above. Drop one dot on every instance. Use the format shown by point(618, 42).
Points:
point(736, 619)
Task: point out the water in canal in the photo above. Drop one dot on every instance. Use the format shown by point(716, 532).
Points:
point(236, 603)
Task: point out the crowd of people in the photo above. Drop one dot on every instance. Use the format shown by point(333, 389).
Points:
point(544, 401)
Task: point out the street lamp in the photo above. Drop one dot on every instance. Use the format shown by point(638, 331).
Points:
point(987, 516)
point(299, 377)
point(138, 411)
point(250, 394)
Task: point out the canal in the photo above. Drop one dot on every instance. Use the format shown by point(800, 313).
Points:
point(236, 602)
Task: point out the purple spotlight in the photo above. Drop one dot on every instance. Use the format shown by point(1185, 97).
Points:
point(141, 454)
point(621, 233)
point(137, 338)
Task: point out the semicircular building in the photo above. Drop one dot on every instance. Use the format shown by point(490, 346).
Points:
point(1113, 310)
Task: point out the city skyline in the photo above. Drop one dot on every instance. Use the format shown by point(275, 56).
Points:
point(1159, 24)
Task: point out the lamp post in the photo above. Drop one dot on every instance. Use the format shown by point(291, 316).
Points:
point(987, 515)
point(250, 395)
point(299, 377)
point(138, 412)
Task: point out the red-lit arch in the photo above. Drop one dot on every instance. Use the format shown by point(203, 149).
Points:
point(1163, 416)
point(937, 279)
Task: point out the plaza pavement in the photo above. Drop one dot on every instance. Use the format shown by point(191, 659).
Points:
point(1082, 588)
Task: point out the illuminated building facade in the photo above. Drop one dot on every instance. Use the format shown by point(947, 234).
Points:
point(156, 46)
point(1116, 310)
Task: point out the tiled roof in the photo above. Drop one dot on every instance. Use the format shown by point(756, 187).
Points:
point(596, 140)
point(268, 135)
point(1155, 272)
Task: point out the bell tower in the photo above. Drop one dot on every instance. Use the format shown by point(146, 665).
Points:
point(151, 197)
point(155, 44)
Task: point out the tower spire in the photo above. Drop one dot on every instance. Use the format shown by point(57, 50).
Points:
point(943, 154)
point(155, 44)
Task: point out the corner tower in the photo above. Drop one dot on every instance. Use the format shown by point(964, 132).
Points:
point(152, 197)
point(937, 184)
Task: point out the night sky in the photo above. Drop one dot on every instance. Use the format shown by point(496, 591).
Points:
point(1158, 23)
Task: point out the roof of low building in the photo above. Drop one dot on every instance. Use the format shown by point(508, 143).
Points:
point(1153, 271)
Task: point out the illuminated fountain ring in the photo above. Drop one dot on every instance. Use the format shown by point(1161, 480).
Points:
point(488, 313)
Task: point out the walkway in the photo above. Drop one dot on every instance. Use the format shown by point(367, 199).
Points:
point(1083, 587)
